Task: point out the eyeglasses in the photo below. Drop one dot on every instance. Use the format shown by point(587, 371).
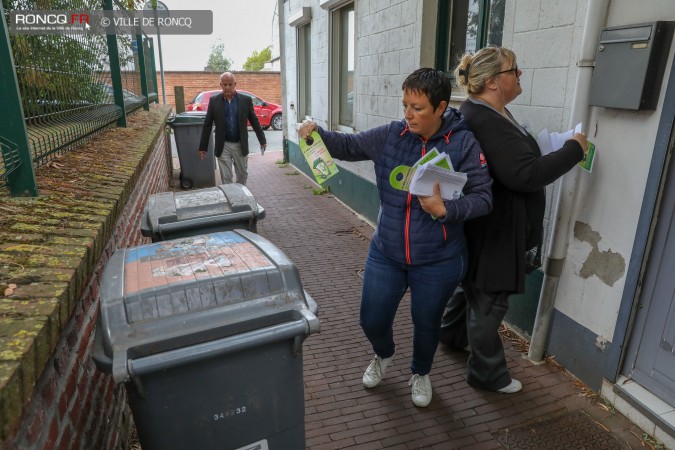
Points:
point(513, 69)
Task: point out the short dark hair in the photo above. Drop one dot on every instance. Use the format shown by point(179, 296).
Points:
point(433, 83)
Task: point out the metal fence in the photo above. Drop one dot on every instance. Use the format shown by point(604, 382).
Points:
point(70, 86)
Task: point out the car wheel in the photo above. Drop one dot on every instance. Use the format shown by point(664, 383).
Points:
point(277, 122)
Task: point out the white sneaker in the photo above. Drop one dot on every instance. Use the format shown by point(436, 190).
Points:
point(421, 390)
point(376, 370)
point(512, 388)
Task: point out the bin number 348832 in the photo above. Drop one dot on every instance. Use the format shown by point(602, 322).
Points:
point(229, 413)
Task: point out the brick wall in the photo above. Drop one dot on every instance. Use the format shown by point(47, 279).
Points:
point(266, 85)
point(72, 405)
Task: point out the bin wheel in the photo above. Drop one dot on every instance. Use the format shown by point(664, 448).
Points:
point(185, 182)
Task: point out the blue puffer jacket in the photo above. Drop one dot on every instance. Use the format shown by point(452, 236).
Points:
point(405, 232)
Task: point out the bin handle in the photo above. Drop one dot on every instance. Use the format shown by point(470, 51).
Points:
point(201, 221)
point(218, 347)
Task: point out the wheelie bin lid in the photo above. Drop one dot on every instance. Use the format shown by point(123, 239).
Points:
point(173, 294)
point(177, 211)
point(187, 118)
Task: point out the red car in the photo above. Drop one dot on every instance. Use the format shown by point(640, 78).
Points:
point(269, 114)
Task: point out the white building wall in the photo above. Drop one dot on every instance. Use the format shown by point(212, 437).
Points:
point(387, 50)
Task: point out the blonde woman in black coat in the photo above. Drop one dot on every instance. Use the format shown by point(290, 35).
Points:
point(498, 242)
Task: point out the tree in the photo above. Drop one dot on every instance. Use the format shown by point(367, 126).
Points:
point(218, 62)
point(60, 72)
point(257, 61)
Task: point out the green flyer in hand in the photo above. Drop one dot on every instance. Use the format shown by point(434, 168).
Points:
point(317, 156)
point(589, 157)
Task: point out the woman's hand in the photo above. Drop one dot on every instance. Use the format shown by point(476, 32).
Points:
point(434, 203)
point(306, 128)
point(581, 139)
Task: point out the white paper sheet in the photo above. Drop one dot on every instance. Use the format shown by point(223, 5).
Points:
point(451, 183)
point(551, 142)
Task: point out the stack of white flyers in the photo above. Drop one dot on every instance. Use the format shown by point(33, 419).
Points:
point(553, 141)
point(433, 167)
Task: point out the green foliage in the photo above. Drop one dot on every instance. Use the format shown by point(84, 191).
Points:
point(323, 190)
point(652, 442)
point(495, 26)
point(257, 61)
point(58, 72)
point(218, 62)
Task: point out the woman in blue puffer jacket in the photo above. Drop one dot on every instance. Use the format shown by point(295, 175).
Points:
point(419, 242)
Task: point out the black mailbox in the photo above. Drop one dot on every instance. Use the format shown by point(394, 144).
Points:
point(629, 65)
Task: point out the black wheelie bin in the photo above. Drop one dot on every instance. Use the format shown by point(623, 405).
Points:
point(194, 172)
point(170, 215)
point(206, 335)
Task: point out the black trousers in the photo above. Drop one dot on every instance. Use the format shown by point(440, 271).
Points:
point(473, 317)
point(453, 326)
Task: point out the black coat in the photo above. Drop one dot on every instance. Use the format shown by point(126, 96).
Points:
point(215, 115)
point(499, 240)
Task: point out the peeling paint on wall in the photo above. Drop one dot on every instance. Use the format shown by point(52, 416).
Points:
point(601, 343)
point(607, 265)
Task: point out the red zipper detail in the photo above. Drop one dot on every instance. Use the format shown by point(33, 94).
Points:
point(407, 229)
point(445, 233)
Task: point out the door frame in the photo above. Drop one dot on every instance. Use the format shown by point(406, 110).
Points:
point(645, 229)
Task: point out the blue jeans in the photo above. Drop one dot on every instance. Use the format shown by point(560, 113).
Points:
point(431, 285)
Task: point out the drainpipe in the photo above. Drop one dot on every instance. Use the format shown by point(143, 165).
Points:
point(596, 16)
point(282, 68)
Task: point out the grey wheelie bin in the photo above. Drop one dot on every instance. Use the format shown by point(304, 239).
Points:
point(170, 215)
point(206, 335)
point(194, 172)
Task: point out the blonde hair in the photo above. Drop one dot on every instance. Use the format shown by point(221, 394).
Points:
point(473, 70)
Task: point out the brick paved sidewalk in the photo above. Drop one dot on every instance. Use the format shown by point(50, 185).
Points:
point(329, 244)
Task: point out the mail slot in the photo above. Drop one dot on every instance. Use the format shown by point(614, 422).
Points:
point(629, 65)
